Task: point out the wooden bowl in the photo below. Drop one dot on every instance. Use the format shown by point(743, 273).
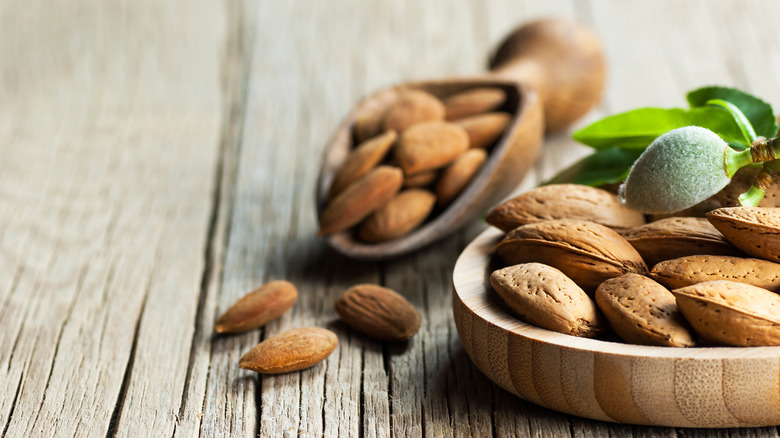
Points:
point(610, 381)
point(508, 162)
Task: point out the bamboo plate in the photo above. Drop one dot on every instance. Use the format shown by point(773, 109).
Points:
point(656, 386)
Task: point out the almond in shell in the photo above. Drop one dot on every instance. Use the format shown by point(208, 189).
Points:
point(564, 201)
point(379, 312)
point(399, 216)
point(455, 177)
point(731, 313)
point(411, 108)
point(643, 312)
point(360, 199)
point(428, 146)
point(586, 252)
point(485, 129)
point(545, 297)
point(474, 101)
point(258, 308)
point(686, 271)
point(675, 237)
point(754, 230)
point(364, 158)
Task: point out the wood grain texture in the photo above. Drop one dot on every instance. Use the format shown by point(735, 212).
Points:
point(158, 161)
point(632, 384)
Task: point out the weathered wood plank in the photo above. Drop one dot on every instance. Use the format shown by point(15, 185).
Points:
point(109, 137)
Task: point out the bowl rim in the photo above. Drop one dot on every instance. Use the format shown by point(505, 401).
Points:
point(470, 287)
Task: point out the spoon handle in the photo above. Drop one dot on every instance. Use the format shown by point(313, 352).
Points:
point(561, 59)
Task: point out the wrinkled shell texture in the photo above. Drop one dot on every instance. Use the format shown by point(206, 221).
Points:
point(686, 271)
point(730, 313)
point(379, 312)
point(292, 350)
point(679, 169)
point(564, 201)
point(585, 251)
point(755, 230)
point(675, 237)
point(258, 307)
point(643, 312)
point(545, 297)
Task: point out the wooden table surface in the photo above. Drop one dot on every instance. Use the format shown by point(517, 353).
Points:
point(158, 160)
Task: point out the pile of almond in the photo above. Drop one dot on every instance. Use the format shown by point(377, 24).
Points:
point(413, 157)
point(374, 310)
point(577, 261)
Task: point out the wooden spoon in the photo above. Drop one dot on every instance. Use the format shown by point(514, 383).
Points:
point(556, 64)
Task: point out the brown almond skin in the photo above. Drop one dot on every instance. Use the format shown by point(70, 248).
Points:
point(293, 350)
point(643, 312)
point(420, 180)
point(364, 158)
point(258, 308)
point(545, 297)
point(731, 313)
point(564, 201)
point(413, 107)
point(369, 121)
point(360, 199)
point(399, 216)
point(686, 271)
point(676, 237)
point(484, 129)
point(379, 312)
point(458, 175)
point(754, 230)
point(472, 102)
point(428, 146)
point(586, 252)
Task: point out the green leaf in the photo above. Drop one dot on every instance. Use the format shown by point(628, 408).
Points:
point(606, 166)
point(757, 111)
point(739, 117)
point(638, 128)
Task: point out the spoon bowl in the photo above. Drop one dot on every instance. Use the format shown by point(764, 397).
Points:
point(521, 69)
